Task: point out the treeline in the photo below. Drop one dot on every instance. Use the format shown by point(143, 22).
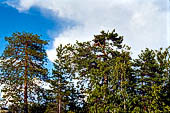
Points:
point(97, 76)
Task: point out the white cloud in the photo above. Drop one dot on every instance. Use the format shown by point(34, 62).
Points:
point(143, 23)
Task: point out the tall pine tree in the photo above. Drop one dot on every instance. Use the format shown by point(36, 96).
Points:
point(22, 63)
point(104, 68)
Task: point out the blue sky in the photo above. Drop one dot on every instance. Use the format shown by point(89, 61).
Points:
point(143, 23)
point(29, 21)
point(13, 21)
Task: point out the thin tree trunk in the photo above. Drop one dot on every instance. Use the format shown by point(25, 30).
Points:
point(59, 98)
point(121, 89)
point(25, 80)
point(96, 107)
point(105, 75)
point(59, 105)
point(124, 88)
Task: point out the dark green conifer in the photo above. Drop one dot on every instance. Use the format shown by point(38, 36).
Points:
point(104, 68)
point(22, 65)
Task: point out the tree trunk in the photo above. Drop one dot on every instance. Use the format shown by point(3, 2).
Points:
point(59, 97)
point(25, 80)
point(105, 76)
point(59, 104)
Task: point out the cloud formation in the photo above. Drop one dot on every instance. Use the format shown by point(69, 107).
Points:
point(143, 23)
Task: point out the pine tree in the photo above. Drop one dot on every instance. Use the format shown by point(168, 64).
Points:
point(151, 74)
point(103, 66)
point(22, 62)
point(163, 59)
point(64, 94)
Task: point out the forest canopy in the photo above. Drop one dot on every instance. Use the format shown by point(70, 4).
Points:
point(97, 76)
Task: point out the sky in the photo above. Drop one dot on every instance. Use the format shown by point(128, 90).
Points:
point(143, 23)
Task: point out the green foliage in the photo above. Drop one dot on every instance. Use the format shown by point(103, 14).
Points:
point(113, 82)
point(97, 76)
point(151, 70)
point(104, 69)
point(22, 65)
point(64, 95)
